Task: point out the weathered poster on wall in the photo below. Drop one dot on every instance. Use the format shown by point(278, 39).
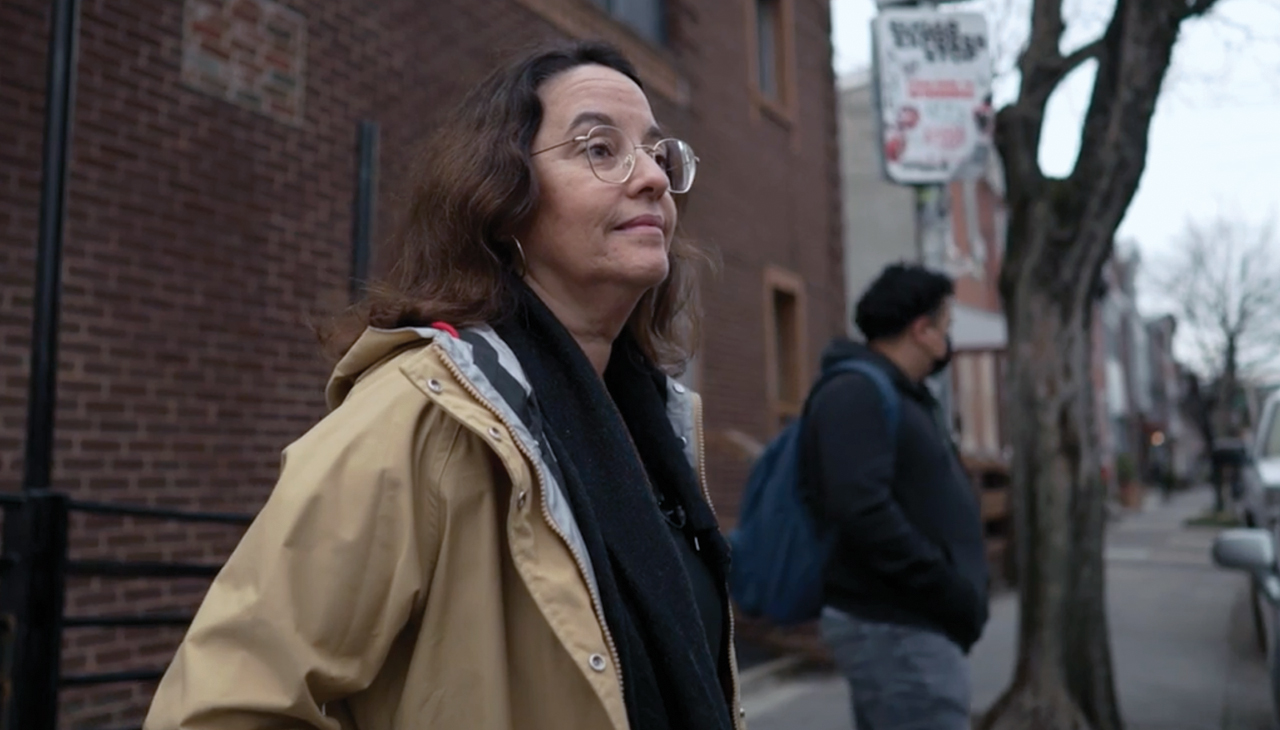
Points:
point(933, 88)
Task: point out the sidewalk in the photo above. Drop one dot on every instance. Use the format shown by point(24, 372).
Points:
point(1181, 632)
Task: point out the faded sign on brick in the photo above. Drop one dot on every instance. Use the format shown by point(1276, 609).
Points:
point(249, 52)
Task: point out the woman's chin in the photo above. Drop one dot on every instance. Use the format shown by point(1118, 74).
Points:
point(648, 272)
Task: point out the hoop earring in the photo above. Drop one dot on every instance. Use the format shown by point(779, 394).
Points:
point(524, 263)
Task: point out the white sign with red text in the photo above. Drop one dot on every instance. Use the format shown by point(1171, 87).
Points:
point(933, 83)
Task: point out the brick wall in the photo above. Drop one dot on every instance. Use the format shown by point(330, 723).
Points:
point(21, 104)
point(205, 229)
point(769, 195)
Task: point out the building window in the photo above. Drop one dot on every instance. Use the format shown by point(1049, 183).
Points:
point(637, 27)
point(785, 344)
point(768, 30)
point(646, 17)
point(786, 328)
point(771, 33)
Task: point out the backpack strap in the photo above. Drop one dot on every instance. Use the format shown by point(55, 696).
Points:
point(889, 395)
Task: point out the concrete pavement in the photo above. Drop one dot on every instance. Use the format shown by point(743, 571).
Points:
point(1181, 633)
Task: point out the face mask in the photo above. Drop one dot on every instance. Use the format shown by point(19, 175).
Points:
point(941, 363)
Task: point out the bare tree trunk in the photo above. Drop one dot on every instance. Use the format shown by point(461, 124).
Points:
point(1227, 388)
point(1063, 677)
point(1060, 236)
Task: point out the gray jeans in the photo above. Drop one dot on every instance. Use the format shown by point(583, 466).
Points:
point(900, 677)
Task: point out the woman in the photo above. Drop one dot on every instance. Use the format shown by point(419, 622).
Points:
point(502, 523)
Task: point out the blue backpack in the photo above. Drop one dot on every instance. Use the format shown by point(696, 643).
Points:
point(778, 555)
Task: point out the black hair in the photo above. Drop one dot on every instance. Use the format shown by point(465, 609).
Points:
point(899, 296)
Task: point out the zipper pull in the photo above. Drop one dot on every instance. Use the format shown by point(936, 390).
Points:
point(696, 546)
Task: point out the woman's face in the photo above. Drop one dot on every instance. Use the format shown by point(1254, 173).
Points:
point(589, 236)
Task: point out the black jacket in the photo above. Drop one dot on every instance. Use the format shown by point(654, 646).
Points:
point(909, 542)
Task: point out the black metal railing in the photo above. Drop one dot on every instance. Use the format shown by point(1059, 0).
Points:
point(34, 567)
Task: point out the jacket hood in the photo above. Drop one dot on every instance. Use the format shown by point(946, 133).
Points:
point(374, 346)
point(841, 349)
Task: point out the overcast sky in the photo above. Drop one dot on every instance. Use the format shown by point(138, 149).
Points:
point(1215, 139)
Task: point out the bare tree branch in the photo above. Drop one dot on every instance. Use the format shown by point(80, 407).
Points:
point(1238, 63)
point(1047, 26)
point(1041, 62)
point(1073, 60)
point(1248, 33)
point(1054, 69)
point(1224, 285)
point(1197, 7)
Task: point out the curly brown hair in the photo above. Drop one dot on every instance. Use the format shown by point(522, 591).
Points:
point(471, 189)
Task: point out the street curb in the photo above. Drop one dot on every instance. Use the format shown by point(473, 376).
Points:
point(762, 675)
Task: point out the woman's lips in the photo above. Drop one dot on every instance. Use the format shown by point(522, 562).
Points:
point(644, 224)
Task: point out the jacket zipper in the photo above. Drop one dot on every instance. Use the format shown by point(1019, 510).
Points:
point(546, 516)
point(735, 711)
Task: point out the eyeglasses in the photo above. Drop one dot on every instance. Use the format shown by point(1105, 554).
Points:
point(604, 147)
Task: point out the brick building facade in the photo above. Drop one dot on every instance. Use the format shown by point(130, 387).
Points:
point(209, 220)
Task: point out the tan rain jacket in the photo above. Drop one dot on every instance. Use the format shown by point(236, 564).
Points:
point(415, 568)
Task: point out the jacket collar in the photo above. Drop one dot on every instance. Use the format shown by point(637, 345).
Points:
point(490, 367)
point(493, 371)
point(843, 348)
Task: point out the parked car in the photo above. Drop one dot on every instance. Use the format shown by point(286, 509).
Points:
point(1253, 549)
point(1260, 501)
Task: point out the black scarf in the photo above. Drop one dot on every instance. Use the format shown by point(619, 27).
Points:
point(671, 681)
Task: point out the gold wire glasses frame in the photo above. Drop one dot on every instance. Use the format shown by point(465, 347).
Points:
point(603, 145)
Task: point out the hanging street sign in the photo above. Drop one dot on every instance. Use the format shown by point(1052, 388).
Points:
point(932, 74)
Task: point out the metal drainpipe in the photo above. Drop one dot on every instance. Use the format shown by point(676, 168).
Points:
point(59, 96)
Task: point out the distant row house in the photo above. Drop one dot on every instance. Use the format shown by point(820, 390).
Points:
point(1146, 433)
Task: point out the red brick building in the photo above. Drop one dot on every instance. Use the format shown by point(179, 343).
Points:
point(209, 219)
point(975, 253)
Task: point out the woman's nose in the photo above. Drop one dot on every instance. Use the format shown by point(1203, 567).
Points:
point(649, 175)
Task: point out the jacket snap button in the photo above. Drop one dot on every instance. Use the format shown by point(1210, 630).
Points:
point(520, 499)
point(679, 388)
point(684, 440)
point(494, 433)
point(597, 662)
point(742, 712)
point(434, 386)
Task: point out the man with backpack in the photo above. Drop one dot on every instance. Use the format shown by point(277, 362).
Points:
point(905, 581)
